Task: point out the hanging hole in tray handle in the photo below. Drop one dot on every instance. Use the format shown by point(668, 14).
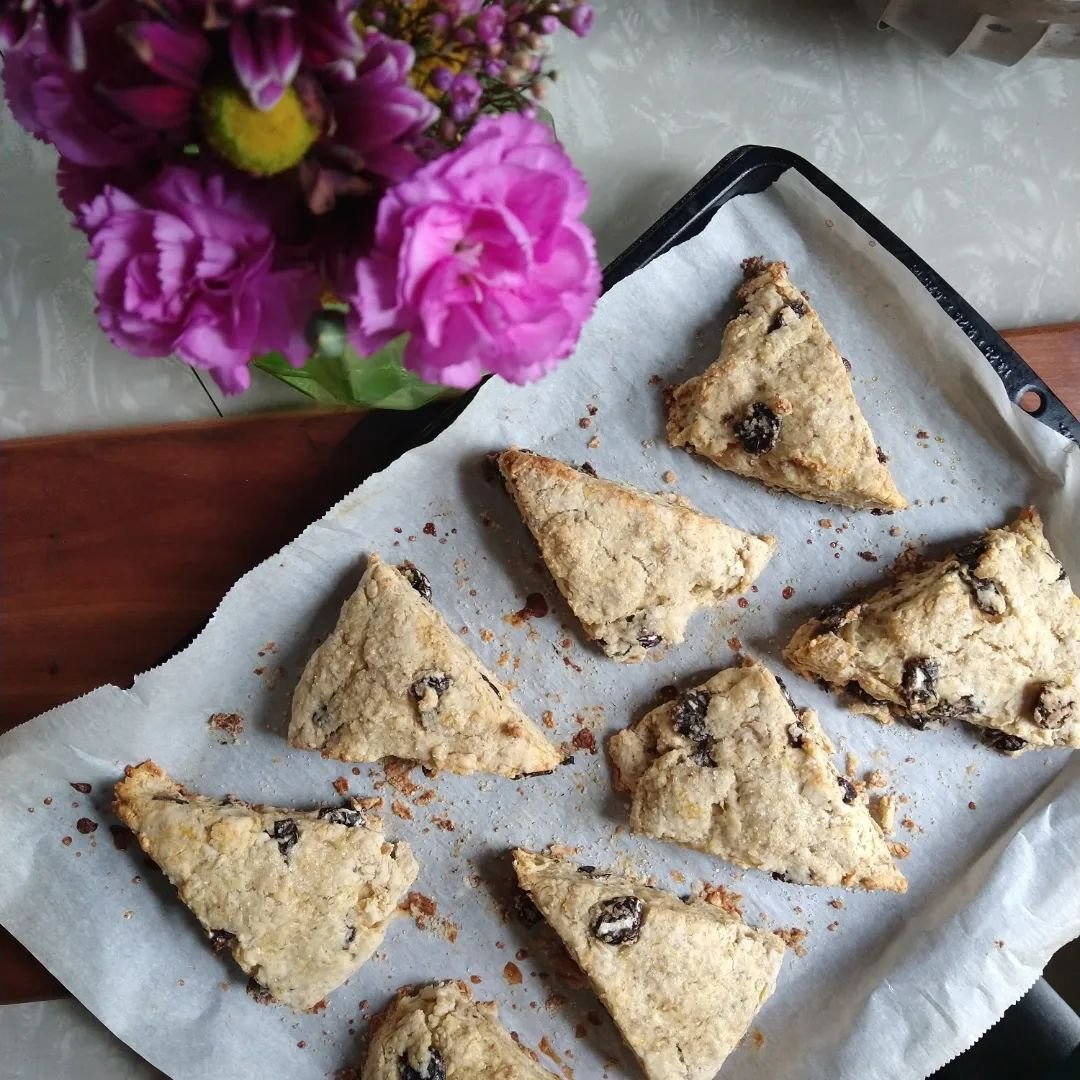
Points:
point(1032, 400)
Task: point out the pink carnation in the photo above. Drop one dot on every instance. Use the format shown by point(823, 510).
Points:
point(186, 267)
point(481, 257)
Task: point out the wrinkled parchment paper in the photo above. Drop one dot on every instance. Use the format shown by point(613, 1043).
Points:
point(888, 986)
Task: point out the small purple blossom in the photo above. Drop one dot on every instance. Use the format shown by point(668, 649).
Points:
point(581, 19)
point(185, 266)
point(465, 96)
point(481, 257)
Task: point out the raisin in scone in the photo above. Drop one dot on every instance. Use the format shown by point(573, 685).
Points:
point(633, 566)
point(778, 406)
point(394, 680)
point(681, 980)
point(300, 898)
point(437, 1032)
point(990, 635)
point(733, 768)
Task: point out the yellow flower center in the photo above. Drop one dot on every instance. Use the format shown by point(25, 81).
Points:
point(259, 141)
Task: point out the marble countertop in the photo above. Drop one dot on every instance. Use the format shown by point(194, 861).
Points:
point(976, 166)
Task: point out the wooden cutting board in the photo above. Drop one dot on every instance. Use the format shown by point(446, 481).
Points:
point(116, 547)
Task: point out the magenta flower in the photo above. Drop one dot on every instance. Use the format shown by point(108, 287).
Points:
point(377, 115)
point(186, 267)
point(59, 20)
point(63, 107)
point(481, 257)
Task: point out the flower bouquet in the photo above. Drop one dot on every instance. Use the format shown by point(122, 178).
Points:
point(355, 196)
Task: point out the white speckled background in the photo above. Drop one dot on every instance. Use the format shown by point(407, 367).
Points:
point(889, 986)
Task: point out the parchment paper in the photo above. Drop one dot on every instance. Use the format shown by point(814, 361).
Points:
point(889, 986)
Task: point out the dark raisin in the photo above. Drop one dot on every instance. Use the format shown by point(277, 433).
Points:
point(527, 912)
point(586, 468)
point(81, 786)
point(796, 734)
point(417, 579)
point(648, 639)
point(350, 934)
point(798, 306)
point(688, 718)
point(1007, 744)
point(586, 869)
point(222, 940)
point(986, 594)
point(952, 710)
point(882, 456)
point(970, 554)
point(342, 815)
point(918, 681)
point(1061, 575)
point(433, 1070)
point(856, 691)
point(287, 834)
point(259, 992)
point(779, 875)
point(777, 321)
point(830, 619)
point(759, 429)
point(617, 921)
point(494, 688)
point(787, 696)
point(434, 681)
point(1055, 707)
point(850, 794)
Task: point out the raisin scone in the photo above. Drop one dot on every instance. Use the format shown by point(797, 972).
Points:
point(990, 635)
point(633, 566)
point(733, 768)
point(394, 680)
point(778, 406)
point(300, 898)
point(437, 1032)
point(681, 979)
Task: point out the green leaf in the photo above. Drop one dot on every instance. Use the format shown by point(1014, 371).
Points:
point(378, 381)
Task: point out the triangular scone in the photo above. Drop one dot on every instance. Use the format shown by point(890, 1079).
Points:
point(633, 566)
point(393, 680)
point(778, 404)
point(300, 898)
point(435, 1031)
point(682, 980)
point(990, 635)
point(733, 768)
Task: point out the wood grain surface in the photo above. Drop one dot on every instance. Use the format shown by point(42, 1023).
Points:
point(116, 547)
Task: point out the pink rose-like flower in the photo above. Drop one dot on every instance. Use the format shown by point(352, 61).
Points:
point(186, 267)
point(482, 258)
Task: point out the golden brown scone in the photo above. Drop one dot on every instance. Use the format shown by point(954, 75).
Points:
point(437, 1032)
point(633, 566)
point(733, 768)
point(778, 406)
point(394, 680)
point(681, 979)
point(300, 898)
point(990, 635)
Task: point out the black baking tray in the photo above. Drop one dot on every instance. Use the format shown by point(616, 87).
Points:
point(751, 169)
